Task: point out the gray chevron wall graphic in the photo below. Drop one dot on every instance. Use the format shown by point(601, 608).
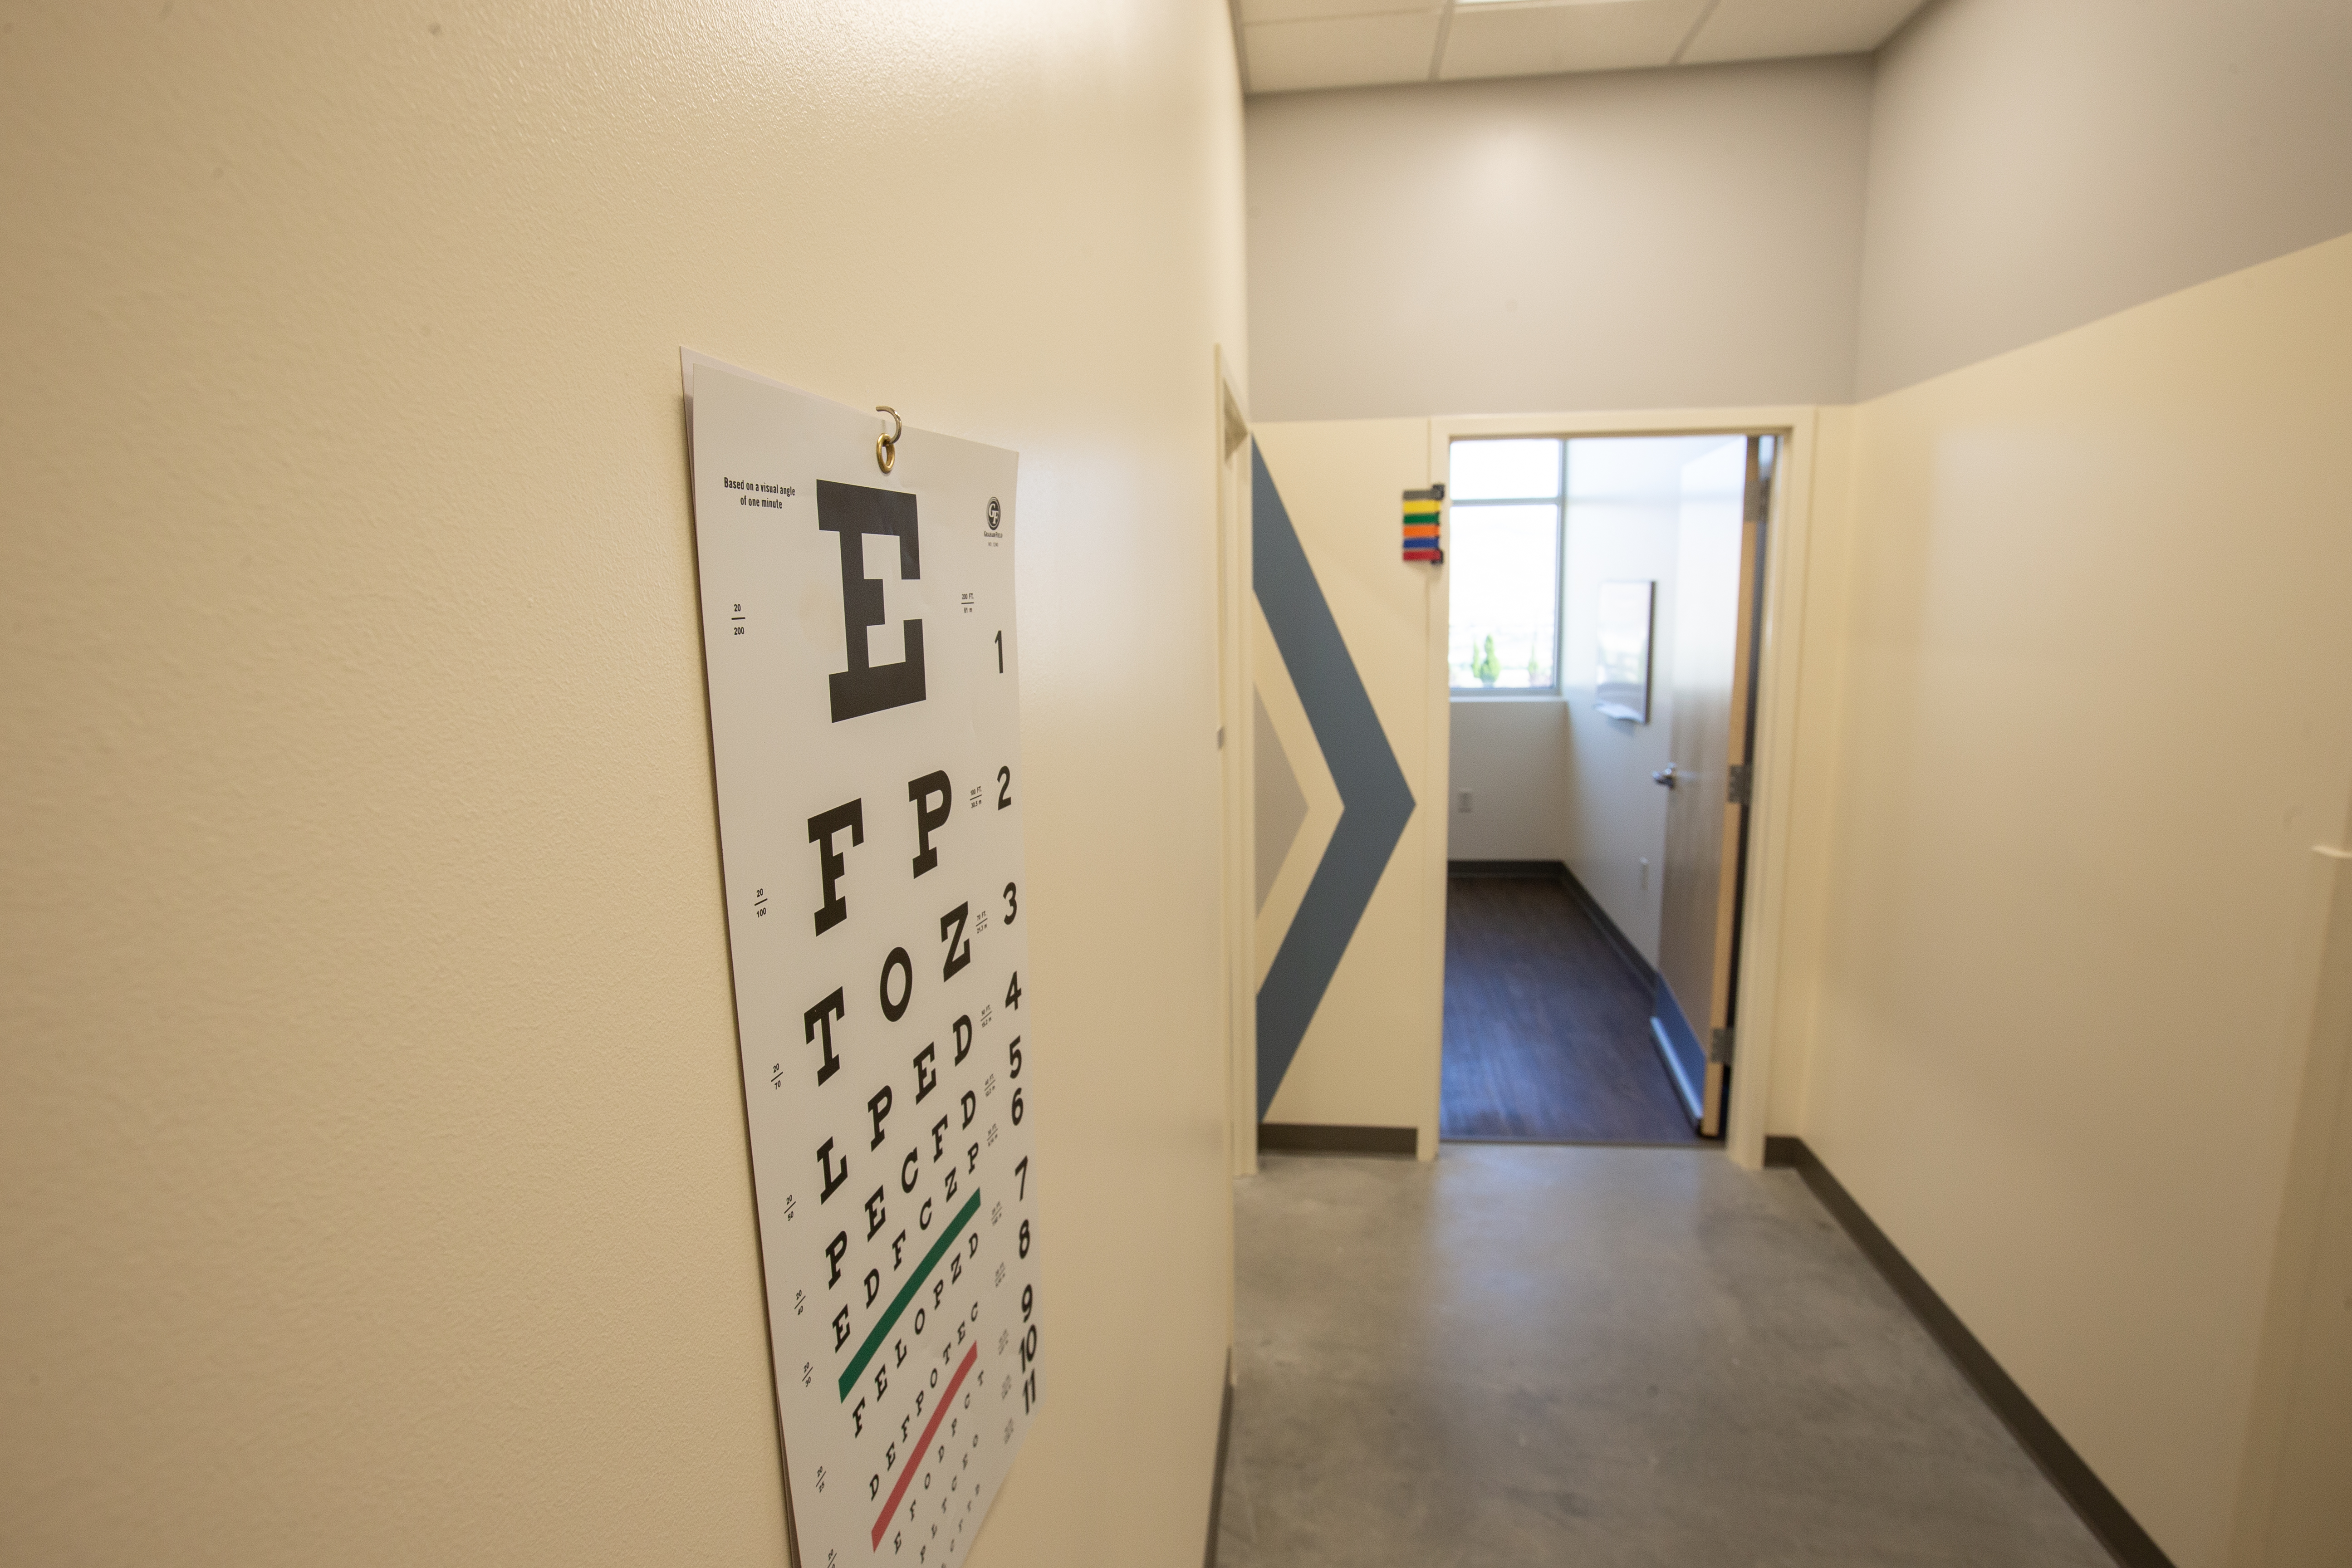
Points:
point(1375, 802)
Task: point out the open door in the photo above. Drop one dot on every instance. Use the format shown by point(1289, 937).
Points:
point(1718, 575)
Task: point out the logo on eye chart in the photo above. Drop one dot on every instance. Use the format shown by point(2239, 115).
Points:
point(996, 517)
point(855, 513)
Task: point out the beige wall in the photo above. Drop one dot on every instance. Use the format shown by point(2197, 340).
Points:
point(370, 1116)
point(2092, 666)
point(2035, 165)
point(2068, 726)
point(1510, 753)
point(2294, 1510)
point(1370, 1056)
point(1639, 239)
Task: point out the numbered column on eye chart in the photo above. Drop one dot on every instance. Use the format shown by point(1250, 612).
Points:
point(862, 663)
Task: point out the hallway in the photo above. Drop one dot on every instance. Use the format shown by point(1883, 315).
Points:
point(1739, 1388)
point(701, 698)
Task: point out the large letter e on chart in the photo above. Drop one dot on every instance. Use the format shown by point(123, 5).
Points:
point(854, 511)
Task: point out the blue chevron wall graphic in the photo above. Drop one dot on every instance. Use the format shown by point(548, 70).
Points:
point(1375, 802)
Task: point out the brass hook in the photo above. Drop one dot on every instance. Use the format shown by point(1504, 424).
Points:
point(886, 448)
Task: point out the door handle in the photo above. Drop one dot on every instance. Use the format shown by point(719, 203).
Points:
point(1664, 775)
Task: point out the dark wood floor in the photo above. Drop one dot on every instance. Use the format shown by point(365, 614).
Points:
point(1547, 1028)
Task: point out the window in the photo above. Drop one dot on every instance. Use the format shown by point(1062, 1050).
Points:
point(1503, 564)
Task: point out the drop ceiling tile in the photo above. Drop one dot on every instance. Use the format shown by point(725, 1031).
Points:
point(1788, 29)
point(1253, 11)
point(1351, 51)
point(1538, 39)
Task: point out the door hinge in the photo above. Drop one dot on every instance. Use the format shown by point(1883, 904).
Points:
point(1718, 1047)
point(1736, 784)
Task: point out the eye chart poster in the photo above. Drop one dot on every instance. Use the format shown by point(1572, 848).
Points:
point(862, 666)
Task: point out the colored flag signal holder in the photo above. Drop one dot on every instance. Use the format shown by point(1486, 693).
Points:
point(1420, 525)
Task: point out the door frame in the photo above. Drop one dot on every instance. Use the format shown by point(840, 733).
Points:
point(1778, 656)
point(1236, 759)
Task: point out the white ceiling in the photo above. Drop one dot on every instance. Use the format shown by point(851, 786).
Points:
point(1291, 45)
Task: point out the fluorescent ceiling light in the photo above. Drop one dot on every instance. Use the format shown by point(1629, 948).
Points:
point(1532, 4)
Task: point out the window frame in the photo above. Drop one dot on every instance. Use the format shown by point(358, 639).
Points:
point(1558, 501)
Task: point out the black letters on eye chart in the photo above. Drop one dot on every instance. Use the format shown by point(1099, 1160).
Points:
point(863, 658)
point(858, 513)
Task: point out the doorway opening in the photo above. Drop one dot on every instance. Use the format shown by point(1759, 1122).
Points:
point(1605, 613)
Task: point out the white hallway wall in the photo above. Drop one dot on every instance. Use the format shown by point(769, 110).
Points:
point(1641, 240)
point(1510, 753)
point(369, 1115)
point(2035, 165)
point(2074, 713)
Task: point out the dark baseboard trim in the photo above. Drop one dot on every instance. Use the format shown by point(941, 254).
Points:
point(1505, 869)
point(1310, 1138)
point(1640, 968)
point(1697, 1146)
point(2100, 1508)
point(1217, 1481)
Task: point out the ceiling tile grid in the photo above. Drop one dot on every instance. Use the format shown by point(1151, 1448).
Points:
point(1340, 51)
point(1793, 29)
point(1535, 39)
point(1292, 46)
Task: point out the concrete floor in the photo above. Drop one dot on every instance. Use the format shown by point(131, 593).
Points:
point(1595, 1356)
